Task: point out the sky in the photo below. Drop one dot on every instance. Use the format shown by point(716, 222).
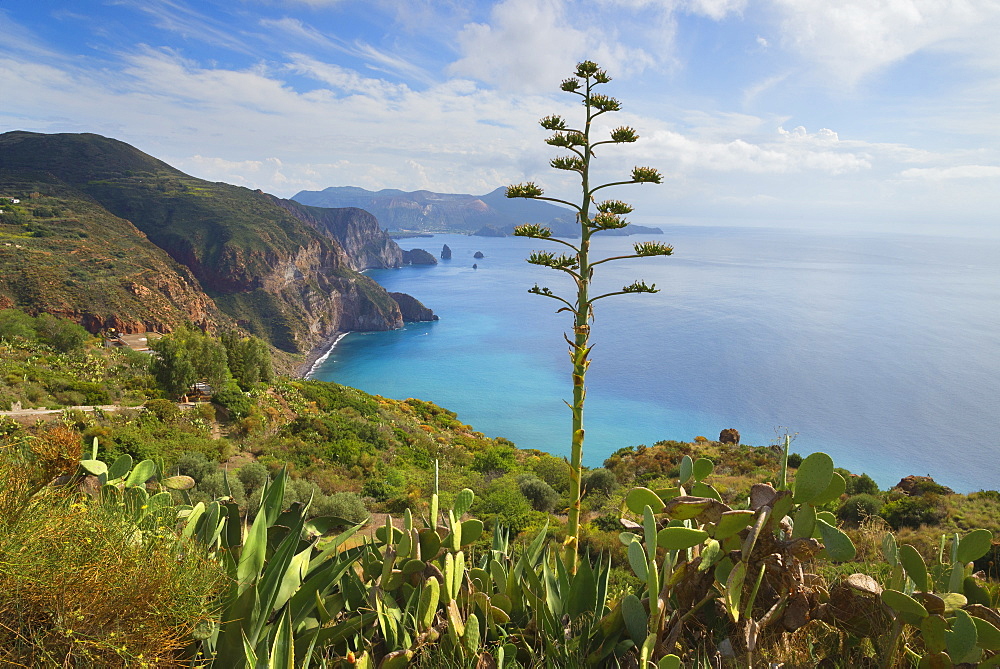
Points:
point(854, 115)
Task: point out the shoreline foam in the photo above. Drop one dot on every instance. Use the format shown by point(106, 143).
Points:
point(319, 354)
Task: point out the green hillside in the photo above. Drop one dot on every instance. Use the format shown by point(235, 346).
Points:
point(245, 258)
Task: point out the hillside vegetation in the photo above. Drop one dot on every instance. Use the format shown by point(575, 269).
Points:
point(112, 237)
point(333, 456)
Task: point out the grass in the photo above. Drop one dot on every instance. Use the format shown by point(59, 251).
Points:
point(80, 583)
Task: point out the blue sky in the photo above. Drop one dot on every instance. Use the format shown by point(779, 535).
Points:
point(837, 114)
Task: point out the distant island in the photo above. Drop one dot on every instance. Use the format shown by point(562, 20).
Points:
point(411, 214)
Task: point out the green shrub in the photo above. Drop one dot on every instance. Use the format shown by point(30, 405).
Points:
point(503, 504)
point(862, 484)
point(346, 505)
point(164, 410)
point(858, 507)
point(496, 458)
point(600, 482)
point(539, 493)
point(252, 475)
point(913, 511)
point(794, 460)
point(233, 400)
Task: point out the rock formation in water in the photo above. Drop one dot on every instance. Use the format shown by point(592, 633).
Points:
point(478, 255)
point(445, 252)
point(418, 257)
point(413, 310)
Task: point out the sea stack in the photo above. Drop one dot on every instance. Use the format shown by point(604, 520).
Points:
point(445, 253)
point(478, 254)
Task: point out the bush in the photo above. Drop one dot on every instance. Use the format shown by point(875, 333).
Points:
point(539, 493)
point(913, 511)
point(503, 504)
point(164, 410)
point(253, 476)
point(794, 460)
point(600, 482)
point(863, 484)
point(233, 400)
point(858, 507)
point(497, 458)
point(346, 505)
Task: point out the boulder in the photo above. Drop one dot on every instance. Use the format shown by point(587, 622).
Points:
point(478, 254)
point(918, 485)
point(729, 436)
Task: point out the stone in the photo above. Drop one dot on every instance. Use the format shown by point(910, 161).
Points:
point(478, 255)
point(445, 253)
point(729, 436)
point(418, 257)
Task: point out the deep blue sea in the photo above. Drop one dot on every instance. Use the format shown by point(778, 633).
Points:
point(883, 351)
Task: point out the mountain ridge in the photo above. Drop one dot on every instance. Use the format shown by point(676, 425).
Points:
point(273, 267)
point(427, 211)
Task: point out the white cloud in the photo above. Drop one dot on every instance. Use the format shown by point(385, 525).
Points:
point(956, 172)
point(532, 45)
point(715, 9)
point(853, 38)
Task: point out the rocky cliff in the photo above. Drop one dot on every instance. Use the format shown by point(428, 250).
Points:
point(273, 272)
point(413, 309)
point(357, 231)
point(418, 257)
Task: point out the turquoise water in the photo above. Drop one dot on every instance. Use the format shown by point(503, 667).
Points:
point(882, 351)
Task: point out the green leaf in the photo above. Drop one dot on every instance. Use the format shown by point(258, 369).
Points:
point(974, 545)
point(687, 469)
point(702, 489)
point(932, 628)
point(961, 639)
point(637, 560)
point(141, 473)
point(914, 566)
point(463, 501)
point(833, 491)
point(638, 499)
point(472, 529)
point(987, 635)
point(636, 618)
point(813, 477)
point(178, 482)
point(95, 467)
point(282, 650)
point(732, 523)
point(804, 523)
point(734, 590)
point(903, 603)
point(703, 468)
point(120, 467)
point(669, 662)
point(679, 538)
point(839, 546)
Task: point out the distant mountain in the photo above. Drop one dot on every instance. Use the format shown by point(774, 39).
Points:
point(113, 237)
point(424, 211)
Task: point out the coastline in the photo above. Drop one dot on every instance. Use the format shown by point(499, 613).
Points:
point(318, 355)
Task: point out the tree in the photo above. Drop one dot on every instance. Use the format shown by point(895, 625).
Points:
point(188, 355)
point(608, 215)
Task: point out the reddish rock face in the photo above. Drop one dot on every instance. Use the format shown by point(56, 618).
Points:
point(918, 485)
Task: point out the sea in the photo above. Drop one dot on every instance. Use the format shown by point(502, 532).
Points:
point(881, 350)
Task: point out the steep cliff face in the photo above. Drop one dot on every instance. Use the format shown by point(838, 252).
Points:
point(278, 275)
point(63, 254)
point(356, 231)
point(413, 309)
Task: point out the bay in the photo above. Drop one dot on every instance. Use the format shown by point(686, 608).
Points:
point(883, 351)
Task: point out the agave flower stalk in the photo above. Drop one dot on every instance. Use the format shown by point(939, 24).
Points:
point(577, 264)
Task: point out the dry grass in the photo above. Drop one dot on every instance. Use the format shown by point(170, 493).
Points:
point(80, 585)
